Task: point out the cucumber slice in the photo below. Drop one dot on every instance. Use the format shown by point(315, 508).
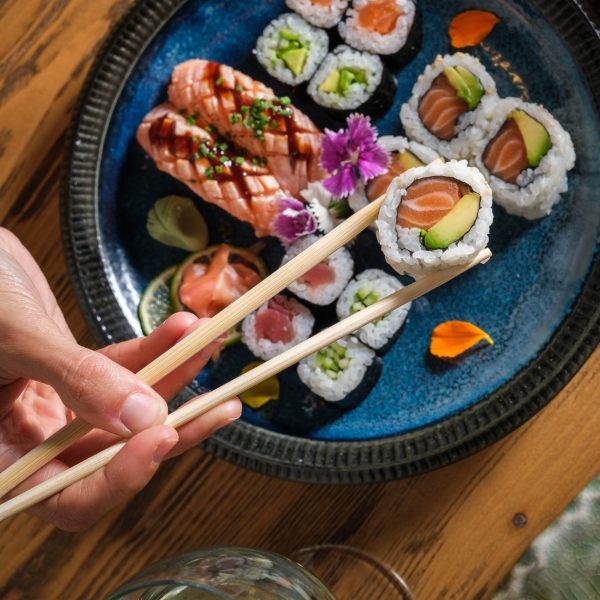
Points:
point(155, 304)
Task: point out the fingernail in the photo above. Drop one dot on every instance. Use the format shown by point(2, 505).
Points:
point(164, 448)
point(140, 411)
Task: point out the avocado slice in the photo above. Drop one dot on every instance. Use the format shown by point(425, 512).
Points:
point(347, 78)
point(454, 225)
point(295, 59)
point(537, 140)
point(331, 82)
point(409, 161)
point(467, 86)
point(288, 34)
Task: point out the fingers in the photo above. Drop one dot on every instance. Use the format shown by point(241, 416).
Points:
point(84, 502)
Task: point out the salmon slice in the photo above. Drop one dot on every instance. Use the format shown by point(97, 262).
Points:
point(243, 187)
point(429, 200)
point(378, 186)
point(224, 97)
point(379, 16)
point(506, 155)
point(440, 108)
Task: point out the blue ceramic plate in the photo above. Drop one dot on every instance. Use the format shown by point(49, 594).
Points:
point(535, 298)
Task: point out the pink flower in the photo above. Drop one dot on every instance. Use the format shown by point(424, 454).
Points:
point(293, 221)
point(352, 155)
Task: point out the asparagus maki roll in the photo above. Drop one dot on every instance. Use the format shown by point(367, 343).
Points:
point(449, 101)
point(525, 155)
point(335, 371)
point(365, 289)
point(349, 79)
point(434, 217)
point(323, 283)
point(290, 49)
point(324, 13)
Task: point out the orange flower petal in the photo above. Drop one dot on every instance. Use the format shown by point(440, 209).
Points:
point(471, 27)
point(455, 337)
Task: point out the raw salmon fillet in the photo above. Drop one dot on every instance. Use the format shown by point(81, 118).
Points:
point(506, 155)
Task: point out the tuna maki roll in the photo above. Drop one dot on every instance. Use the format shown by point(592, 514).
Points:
point(448, 102)
point(335, 371)
point(525, 155)
point(290, 49)
point(365, 289)
point(349, 79)
point(322, 13)
point(276, 326)
point(434, 217)
point(323, 283)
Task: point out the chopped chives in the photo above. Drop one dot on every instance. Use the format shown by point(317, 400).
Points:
point(239, 89)
point(219, 169)
point(219, 80)
point(239, 160)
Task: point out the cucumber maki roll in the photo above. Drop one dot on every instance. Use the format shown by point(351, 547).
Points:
point(325, 13)
point(435, 217)
point(525, 155)
point(323, 283)
point(449, 101)
point(349, 79)
point(365, 289)
point(335, 371)
point(290, 49)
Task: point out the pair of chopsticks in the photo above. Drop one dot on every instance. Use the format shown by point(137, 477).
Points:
point(193, 343)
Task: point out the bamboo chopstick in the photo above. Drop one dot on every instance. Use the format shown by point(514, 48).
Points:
point(202, 404)
point(193, 343)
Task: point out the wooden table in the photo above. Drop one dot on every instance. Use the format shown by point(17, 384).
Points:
point(449, 533)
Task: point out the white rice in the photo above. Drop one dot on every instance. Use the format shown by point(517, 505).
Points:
point(340, 261)
point(372, 41)
point(469, 132)
point(402, 246)
point(392, 143)
point(268, 43)
point(302, 325)
point(358, 93)
point(375, 334)
point(334, 390)
point(321, 16)
point(537, 190)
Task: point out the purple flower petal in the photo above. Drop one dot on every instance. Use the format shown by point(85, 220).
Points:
point(342, 182)
point(294, 221)
point(372, 161)
point(334, 149)
point(360, 131)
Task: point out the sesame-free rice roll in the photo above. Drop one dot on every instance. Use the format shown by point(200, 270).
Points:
point(449, 100)
point(525, 155)
point(435, 217)
point(322, 13)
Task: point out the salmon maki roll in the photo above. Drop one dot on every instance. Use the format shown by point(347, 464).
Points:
point(448, 101)
point(434, 217)
point(249, 113)
point(525, 154)
point(217, 171)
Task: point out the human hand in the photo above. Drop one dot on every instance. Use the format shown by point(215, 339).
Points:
point(46, 377)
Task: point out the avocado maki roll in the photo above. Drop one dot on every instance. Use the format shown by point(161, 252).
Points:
point(435, 217)
point(525, 154)
point(365, 289)
point(325, 13)
point(349, 80)
point(290, 49)
point(449, 101)
point(335, 371)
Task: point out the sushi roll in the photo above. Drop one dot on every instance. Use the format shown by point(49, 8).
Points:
point(290, 49)
point(435, 217)
point(276, 326)
point(404, 155)
point(525, 155)
point(324, 282)
point(349, 79)
point(365, 289)
point(448, 102)
point(380, 26)
point(324, 13)
point(335, 371)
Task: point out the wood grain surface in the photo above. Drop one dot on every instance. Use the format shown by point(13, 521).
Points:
point(450, 533)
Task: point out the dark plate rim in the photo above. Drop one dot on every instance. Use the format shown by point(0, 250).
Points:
point(281, 455)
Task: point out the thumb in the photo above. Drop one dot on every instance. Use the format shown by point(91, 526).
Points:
point(97, 389)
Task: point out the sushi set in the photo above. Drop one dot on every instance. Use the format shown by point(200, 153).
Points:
point(224, 159)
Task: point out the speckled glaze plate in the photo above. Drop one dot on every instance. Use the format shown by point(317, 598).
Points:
point(539, 298)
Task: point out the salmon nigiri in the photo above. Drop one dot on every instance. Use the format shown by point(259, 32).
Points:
point(250, 114)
